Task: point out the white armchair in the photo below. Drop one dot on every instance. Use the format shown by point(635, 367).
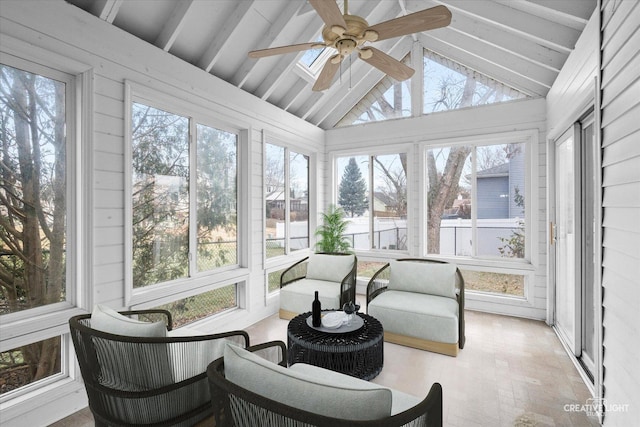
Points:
point(332, 275)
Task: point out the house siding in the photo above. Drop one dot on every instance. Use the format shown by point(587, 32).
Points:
point(620, 110)
point(490, 196)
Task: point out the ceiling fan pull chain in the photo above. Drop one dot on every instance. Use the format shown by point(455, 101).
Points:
point(350, 71)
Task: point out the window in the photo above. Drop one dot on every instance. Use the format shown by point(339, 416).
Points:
point(197, 307)
point(450, 86)
point(476, 200)
point(273, 280)
point(184, 201)
point(286, 187)
point(372, 190)
point(36, 209)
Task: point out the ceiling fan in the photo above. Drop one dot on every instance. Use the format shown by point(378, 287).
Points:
point(346, 33)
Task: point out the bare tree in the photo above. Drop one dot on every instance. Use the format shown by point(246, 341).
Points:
point(443, 187)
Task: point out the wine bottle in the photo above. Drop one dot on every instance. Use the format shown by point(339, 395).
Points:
point(316, 308)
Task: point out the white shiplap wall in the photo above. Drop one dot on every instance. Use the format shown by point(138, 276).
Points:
point(620, 122)
point(54, 29)
point(440, 128)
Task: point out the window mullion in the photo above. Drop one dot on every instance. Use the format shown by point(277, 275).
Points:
point(474, 203)
point(287, 201)
point(193, 175)
point(371, 204)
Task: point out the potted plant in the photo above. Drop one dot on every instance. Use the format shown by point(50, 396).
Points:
point(330, 234)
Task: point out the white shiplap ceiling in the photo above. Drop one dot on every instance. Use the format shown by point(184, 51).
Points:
point(522, 43)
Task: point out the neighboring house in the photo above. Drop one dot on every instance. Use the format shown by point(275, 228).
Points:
point(276, 202)
point(497, 188)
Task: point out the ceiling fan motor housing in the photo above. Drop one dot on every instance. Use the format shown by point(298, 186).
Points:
point(346, 40)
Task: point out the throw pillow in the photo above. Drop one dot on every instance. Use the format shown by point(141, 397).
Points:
point(423, 277)
point(331, 268)
point(108, 320)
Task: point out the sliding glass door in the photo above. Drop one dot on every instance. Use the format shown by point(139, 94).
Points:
point(574, 234)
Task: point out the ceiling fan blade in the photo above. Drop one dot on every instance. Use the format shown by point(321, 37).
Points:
point(326, 75)
point(428, 19)
point(386, 63)
point(284, 49)
point(329, 12)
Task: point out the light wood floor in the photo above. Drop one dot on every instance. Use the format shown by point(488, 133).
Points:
point(512, 372)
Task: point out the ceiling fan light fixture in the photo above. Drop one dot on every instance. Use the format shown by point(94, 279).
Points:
point(337, 29)
point(345, 46)
point(370, 36)
point(365, 53)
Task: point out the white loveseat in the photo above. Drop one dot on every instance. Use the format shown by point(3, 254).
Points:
point(420, 303)
point(256, 391)
point(332, 275)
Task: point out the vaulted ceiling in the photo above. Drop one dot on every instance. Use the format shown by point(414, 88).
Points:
point(521, 43)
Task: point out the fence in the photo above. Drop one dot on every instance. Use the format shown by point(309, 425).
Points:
point(391, 238)
point(212, 255)
point(458, 239)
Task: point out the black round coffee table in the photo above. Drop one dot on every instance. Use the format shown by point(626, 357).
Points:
point(358, 353)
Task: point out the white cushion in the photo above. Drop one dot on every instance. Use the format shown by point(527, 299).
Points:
point(298, 296)
point(400, 401)
point(108, 320)
point(428, 317)
point(332, 268)
point(352, 400)
point(423, 277)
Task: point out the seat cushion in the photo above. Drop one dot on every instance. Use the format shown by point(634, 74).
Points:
point(353, 400)
point(423, 277)
point(298, 296)
point(400, 401)
point(108, 320)
point(331, 268)
point(417, 315)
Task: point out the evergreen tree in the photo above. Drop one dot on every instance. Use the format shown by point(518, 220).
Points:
point(352, 192)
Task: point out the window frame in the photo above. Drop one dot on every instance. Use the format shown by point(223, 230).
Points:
point(276, 262)
point(51, 321)
point(525, 266)
point(397, 149)
point(195, 282)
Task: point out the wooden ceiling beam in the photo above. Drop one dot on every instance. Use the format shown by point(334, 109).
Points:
point(476, 48)
point(579, 10)
point(107, 10)
point(539, 30)
point(543, 55)
point(293, 94)
point(278, 27)
point(174, 25)
point(233, 24)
